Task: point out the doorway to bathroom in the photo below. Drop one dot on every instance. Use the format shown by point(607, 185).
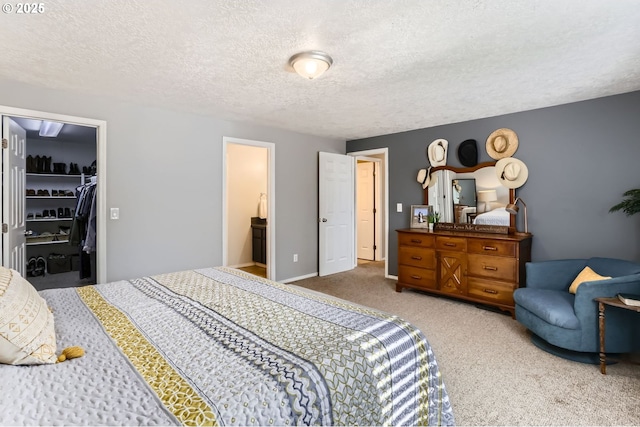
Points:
point(248, 236)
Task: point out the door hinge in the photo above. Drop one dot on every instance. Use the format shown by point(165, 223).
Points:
point(375, 247)
point(5, 228)
point(5, 143)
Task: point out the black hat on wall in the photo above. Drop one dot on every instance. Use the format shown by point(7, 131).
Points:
point(468, 152)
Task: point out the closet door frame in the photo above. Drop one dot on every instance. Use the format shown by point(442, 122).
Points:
point(101, 161)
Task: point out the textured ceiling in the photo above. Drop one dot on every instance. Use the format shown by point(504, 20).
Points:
point(398, 65)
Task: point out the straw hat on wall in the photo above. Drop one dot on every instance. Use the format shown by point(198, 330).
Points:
point(502, 143)
point(424, 177)
point(437, 152)
point(511, 172)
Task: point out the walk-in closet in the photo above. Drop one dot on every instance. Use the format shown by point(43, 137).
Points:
point(60, 203)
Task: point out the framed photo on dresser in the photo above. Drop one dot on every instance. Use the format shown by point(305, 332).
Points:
point(420, 216)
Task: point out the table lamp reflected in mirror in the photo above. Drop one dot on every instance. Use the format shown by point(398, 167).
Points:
point(487, 196)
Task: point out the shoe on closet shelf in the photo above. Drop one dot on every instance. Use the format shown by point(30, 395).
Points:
point(45, 213)
point(70, 193)
point(60, 213)
point(54, 193)
point(31, 192)
point(29, 164)
point(67, 213)
point(52, 213)
point(30, 216)
point(46, 193)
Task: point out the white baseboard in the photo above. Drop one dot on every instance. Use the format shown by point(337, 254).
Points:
point(295, 279)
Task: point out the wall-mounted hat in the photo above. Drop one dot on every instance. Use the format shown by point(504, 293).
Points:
point(424, 176)
point(468, 152)
point(437, 152)
point(511, 172)
point(502, 143)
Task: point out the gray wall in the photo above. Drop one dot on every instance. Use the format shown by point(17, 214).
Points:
point(581, 158)
point(165, 174)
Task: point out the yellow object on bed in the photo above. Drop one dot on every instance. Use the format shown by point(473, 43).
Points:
point(219, 346)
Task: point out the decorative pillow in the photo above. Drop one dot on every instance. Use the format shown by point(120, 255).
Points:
point(586, 275)
point(27, 334)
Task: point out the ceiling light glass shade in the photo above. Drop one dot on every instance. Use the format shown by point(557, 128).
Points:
point(50, 129)
point(311, 64)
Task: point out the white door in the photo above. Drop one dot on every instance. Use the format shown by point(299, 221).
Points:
point(13, 195)
point(365, 206)
point(336, 213)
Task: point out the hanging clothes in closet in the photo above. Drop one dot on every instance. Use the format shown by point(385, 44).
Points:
point(83, 228)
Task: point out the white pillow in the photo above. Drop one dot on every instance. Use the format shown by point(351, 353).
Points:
point(27, 334)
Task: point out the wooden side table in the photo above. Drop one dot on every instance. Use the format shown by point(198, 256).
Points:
point(613, 302)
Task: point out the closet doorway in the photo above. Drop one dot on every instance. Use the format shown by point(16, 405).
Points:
point(42, 177)
point(248, 206)
point(371, 219)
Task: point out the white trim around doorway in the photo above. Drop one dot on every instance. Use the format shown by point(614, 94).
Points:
point(101, 161)
point(271, 200)
point(384, 153)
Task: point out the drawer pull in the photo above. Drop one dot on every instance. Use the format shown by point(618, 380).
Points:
point(416, 257)
point(488, 267)
point(453, 245)
point(416, 241)
point(413, 276)
point(490, 291)
point(489, 248)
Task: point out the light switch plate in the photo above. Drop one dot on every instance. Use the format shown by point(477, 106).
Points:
point(115, 213)
point(399, 207)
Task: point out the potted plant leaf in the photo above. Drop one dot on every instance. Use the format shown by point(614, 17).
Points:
point(630, 205)
point(433, 219)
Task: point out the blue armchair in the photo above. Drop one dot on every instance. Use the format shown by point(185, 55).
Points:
point(570, 322)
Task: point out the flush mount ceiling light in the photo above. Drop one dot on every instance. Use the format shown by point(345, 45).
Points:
point(50, 129)
point(310, 64)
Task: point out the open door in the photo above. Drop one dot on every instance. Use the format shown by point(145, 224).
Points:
point(366, 210)
point(336, 213)
point(14, 147)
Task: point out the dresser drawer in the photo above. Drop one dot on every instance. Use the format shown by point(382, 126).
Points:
point(494, 267)
point(415, 240)
point(451, 243)
point(418, 277)
point(488, 290)
point(491, 247)
point(417, 257)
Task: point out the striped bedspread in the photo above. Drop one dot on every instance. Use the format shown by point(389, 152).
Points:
point(217, 346)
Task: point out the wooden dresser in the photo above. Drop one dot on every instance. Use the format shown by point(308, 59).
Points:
point(479, 267)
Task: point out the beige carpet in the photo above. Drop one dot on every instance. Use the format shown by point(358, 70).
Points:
point(494, 375)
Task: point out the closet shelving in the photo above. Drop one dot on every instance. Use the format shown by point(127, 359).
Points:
point(46, 230)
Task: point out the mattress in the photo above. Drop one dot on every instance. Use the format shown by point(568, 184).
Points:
point(218, 346)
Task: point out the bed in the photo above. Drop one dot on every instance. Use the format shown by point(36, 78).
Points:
point(498, 216)
point(218, 346)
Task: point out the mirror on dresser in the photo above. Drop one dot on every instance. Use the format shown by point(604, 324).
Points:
point(471, 195)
